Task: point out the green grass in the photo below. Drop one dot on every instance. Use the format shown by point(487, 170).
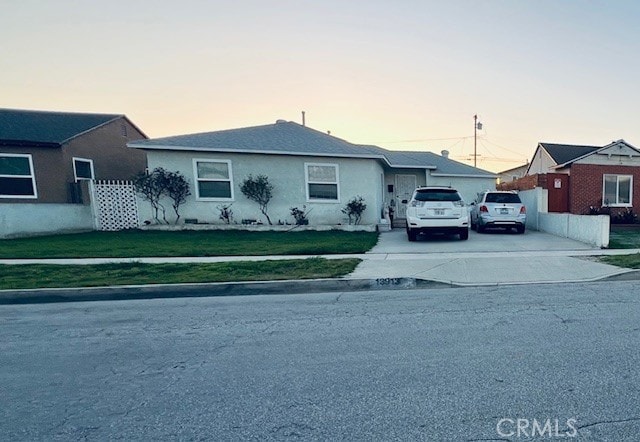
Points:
point(57, 276)
point(624, 238)
point(138, 243)
point(627, 261)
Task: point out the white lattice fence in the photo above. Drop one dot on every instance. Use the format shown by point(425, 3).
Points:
point(115, 205)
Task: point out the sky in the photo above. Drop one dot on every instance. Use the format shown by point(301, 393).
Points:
point(400, 74)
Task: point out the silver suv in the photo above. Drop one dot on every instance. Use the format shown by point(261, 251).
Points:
point(495, 208)
point(437, 209)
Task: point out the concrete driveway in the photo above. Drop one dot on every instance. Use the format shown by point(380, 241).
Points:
point(484, 259)
point(491, 241)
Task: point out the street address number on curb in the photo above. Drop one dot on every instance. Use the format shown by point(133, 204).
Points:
point(388, 281)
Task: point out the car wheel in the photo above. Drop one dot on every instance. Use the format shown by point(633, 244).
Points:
point(479, 228)
point(464, 234)
point(411, 234)
point(520, 229)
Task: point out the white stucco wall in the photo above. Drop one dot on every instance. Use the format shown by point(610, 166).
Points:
point(36, 219)
point(361, 177)
point(541, 162)
point(590, 229)
point(536, 201)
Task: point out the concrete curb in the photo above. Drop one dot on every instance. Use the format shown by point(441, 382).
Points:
point(122, 293)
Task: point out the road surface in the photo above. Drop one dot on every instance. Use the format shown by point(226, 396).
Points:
point(498, 363)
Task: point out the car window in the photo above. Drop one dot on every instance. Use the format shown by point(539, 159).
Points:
point(503, 198)
point(437, 195)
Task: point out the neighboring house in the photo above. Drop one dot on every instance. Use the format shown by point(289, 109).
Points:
point(46, 158)
point(579, 177)
point(513, 174)
point(307, 168)
point(43, 154)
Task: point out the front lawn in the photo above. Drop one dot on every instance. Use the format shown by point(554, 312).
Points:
point(627, 261)
point(139, 243)
point(13, 277)
point(624, 238)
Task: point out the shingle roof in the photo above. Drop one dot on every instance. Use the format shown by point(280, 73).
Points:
point(291, 138)
point(282, 137)
point(562, 153)
point(43, 128)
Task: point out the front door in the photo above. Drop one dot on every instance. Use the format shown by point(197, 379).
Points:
point(405, 185)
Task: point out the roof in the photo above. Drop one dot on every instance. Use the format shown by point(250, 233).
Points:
point(289, 138)
point(44, 128)
point(522, 167)
point(563, 153)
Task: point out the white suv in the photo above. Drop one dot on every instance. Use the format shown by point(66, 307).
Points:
point(437, 209)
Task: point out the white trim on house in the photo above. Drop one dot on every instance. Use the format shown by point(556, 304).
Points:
point(307, 182)
point(618, 176)
point(197, 179)
point(75, 172)
point(32, 175)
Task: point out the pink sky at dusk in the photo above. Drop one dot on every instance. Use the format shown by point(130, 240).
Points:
point(405, 75)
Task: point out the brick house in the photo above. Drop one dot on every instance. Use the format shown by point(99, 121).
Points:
point(582, 178)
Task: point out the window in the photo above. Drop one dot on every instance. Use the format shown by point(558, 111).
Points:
point(17, 179)
point(322, 182)
point(617, 190)
point(214, 180)
point(82, 169)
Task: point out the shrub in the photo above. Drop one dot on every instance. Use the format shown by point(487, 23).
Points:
point(226, 214)
point(301, 216)
point(354, 209)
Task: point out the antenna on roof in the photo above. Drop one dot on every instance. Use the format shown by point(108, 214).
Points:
point(304, 122)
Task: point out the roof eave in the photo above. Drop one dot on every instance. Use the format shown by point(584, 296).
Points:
point(251, 151)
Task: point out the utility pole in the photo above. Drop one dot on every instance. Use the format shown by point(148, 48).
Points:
point(476, 126)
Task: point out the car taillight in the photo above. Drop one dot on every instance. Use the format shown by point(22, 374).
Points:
point(414, 203)
point(523, 210)
point(458, 203)
point(483, 209)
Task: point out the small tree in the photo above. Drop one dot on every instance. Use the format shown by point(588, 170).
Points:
point(354, 209)
point(176, 188)
point(152, 187)
point(258, 189)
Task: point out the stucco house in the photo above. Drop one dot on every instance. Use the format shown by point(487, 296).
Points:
point(46, 159)
point(307, 168)
point(580, 178)
point(44, 154)
point(513, 174)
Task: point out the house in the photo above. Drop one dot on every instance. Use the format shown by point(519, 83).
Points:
point(581, 178)
point(46, 159)
point(43, 154)
point(513, 174)
point(307, 168)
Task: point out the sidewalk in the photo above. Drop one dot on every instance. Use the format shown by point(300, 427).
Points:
point(482, 260)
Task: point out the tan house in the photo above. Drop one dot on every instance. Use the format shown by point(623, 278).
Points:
point(44, 155)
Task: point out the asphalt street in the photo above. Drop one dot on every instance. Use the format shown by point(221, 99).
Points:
point(483, 363)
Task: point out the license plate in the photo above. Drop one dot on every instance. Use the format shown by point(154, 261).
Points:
point(504, 211)
point(438, 212)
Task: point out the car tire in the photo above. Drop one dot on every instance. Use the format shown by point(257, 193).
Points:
point(520, 229)
point(411, 234)
point(479, 228)
point(464, 234)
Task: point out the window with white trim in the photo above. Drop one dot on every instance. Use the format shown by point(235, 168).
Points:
point(82, 169)
point(17, 179)
point(322, 182)
point(214, 180)
point(617, 190)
